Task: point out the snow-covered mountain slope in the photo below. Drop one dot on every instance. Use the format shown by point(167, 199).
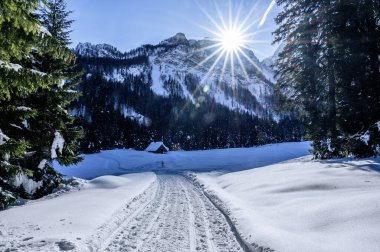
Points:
point(269, 63)
point(98, 51)
point(173, 68)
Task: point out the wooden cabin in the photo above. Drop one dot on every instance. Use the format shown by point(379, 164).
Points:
point(157, 147)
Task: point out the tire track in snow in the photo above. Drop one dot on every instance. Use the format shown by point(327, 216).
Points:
point(172, 216)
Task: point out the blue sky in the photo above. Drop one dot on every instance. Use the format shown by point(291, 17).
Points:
point(128, 24)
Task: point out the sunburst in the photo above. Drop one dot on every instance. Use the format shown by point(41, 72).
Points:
point(232, 38)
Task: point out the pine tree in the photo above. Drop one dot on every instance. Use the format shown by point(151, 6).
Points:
point(32, 62)
point(56, 19)
point(345, 64)
point(21, 35)
point(54, 124)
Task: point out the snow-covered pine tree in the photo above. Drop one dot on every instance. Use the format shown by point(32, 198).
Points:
point(21, 34)
point(57, 137)
point(32, 62)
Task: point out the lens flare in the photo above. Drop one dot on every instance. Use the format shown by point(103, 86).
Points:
point(231, 40)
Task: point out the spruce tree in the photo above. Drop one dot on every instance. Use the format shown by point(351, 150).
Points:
point(345, 63)
point(21, 35)
point(57, 136)
point(29, 60)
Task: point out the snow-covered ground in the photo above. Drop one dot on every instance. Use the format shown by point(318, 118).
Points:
point(267, 198)
point(129, 161)
point(304, 205)
point(68, 221)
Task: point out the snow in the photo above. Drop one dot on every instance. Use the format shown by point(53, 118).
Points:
point(154, 146)
point(25, 124)
point(99, 50)
point(58, 143)
point(28, 184)
point(117, 76)
point(71, 219)
point(365, 137)
point(182, 59)
point(38, 72)
point(42, 164)
point(61, 83)
point(157, 84)
point(304, 205)
point(275, 196)
point(23, 108)
point(43, 30)
point(128, 161)
point(135, 70)
point(3, 138)
point(16, 126)
point(15, 67)
point(129, 112)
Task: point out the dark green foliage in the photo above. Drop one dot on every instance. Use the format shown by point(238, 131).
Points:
point(55, 18)
point(329, 72)
point(34, 62)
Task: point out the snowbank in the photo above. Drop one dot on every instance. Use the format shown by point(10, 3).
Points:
point(130, 161)
point(304, 205)
point(68, 220)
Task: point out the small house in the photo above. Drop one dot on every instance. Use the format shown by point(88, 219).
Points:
point(157, 147)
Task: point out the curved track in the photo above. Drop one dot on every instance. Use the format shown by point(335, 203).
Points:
point(173, 215)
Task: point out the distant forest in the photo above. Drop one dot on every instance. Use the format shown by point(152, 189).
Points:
point(173, 119)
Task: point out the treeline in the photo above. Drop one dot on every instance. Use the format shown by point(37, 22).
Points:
point(329, 73)
point(37, 79)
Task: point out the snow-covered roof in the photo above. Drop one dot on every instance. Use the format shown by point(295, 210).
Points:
point(154, 146)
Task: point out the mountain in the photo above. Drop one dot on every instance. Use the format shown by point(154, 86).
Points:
point(268, 63)
point(175, 60)
point(172, 91)
point(98, 51)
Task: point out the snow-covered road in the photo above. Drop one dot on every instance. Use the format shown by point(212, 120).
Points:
point(172, 215)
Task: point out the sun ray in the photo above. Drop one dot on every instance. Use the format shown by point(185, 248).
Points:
point(230, 14)
point(206, 48)
point(249, 59)
point(249, 16)
point(231, 40)
point(260, 31)
point(225, 27)
point(227, 55)
point(232, 69)
point(208, 58)
point(209, 17)
point(237, 17)
point(203, 27)
point(258, 53)
point(212, 67)
point(242, 65)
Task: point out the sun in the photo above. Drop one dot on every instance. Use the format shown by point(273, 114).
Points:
point(231, 40)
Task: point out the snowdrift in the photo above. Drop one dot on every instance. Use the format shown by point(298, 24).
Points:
point(304, 205)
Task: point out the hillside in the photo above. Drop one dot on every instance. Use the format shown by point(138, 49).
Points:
point(177, 91)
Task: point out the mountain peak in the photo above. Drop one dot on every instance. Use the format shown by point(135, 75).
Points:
point(178, 39)
point(99, 50)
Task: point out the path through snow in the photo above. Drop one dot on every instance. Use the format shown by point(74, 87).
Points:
point(172, 215)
